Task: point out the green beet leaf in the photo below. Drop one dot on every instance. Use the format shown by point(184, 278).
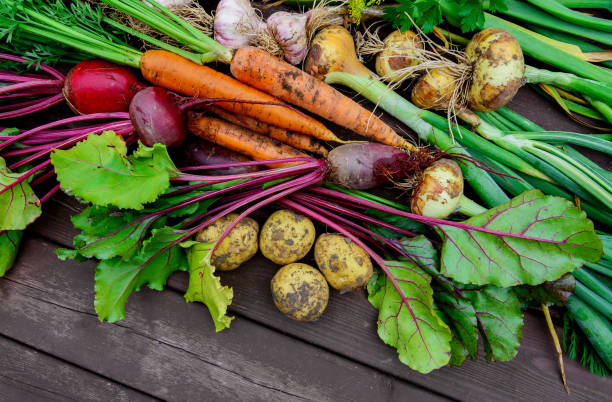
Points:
point(460, 316)
point(98, 170)
point(406, 318)
point(105, 234)
point(555, 237)
point(458, 352)
point(115, 279)
point(500, 321)
point(555, 292)
point(9, 246)
point(19, 206)
point(205, 287)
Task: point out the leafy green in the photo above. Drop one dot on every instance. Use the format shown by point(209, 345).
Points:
point(398, 221)
point(553, 292)
point(500, 321)
point(429, 13)
point(406, 318)
point(98, 170)
point(560, 239)
point(460, 316)
point(9, 246)
point(19, 206)
point(205, 287)
point(356, 7)
point(116, 278)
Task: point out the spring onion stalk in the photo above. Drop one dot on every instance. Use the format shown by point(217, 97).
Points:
point(571, 107)
point(596, 327)
point(600, 269)
point(607, 4)
point(506, 122)
point(597, 302)
point(562, 12)
point(377, 92)
point(601, 107)
point(593, 283)
point(519, 120)
point(535, 45)
point(562, 137)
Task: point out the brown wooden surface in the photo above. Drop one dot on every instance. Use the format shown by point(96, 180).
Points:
point(54, 348)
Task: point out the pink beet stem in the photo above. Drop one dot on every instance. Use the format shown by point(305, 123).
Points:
point(43, 104)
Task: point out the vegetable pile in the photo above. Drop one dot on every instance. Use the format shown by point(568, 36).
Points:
point(171, 157)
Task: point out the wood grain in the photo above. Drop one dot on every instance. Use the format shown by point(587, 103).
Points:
point(168, 348)
point(27, 374)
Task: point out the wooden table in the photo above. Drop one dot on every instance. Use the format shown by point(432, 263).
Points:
point(53, 347)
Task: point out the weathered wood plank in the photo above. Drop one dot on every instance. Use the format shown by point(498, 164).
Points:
point(348, 327)
point(168, 348)
point(26, 374)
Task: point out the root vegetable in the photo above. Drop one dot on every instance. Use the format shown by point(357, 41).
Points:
point(236, 23)
point(399, 51)
point(286, 237)
point(439, 190)
point(346, 266)
point(239, 245)
point(300, 292)
point(434, 90)
point(199, 152)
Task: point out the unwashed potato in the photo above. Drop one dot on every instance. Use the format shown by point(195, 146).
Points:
point(239, 245)
point(286, 237)
point(300, 292)
point(346, 266)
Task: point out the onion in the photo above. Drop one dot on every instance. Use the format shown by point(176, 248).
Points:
point(236, 23)
point(498, 69)
point(434, 90)
point(439, 191)
point(400, 50)
point(333, 50)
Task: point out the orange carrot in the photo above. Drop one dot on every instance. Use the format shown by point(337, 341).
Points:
point(241, 140)
point(259, 69)
point(176, 73)
point(299, 141)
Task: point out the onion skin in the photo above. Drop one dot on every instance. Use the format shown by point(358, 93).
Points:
point(289, 31)
point(333, 50)
point(99, 86)
point(434, 89)
point(498, 69)
point(439, 191)
point(400, 51)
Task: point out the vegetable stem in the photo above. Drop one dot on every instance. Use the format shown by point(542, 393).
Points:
point(555, 338)
point(470, 208)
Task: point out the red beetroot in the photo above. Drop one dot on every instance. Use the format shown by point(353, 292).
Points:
point(198, 152)
point(157, 116)
point(99, 86)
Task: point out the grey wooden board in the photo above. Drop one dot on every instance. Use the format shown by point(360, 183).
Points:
point(168, 348)
point(348, 327)
point(29, 375)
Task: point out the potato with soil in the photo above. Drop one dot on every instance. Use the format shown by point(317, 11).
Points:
point(239, 245)
point(286, 237)
point(346, 266)
point(300, 292)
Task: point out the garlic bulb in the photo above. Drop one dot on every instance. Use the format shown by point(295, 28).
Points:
point(289, 31)
point(236, 23)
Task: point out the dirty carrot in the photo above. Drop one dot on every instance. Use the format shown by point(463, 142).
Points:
point(299, 141)
point(261, 70)
point(241, 140)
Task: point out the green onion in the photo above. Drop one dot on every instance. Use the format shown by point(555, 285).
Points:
point(566, 14)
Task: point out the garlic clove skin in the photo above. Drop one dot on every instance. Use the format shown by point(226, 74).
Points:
point(289, 31)
point(236, 23)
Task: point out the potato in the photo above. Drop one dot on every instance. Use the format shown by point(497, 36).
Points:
point(346, 266)
point(300, 292)
point(239, 245)
point(286, 237)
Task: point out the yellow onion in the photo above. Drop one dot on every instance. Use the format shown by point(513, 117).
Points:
point(498, 69)
point(434, 89)
point(439, 191)
point(332, 50)
point(401, 50)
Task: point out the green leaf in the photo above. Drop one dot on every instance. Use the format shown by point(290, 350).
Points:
point(458, 352)
point(500, 321)
point(554, 292)
point(461, 318)
point(98, 170)
point(406, 318)
point(425, 13)
point(395, 220)
point(105, 234)
point(115, 279)
point(554, 238)
point(19, 206)
point(9, 246)
point(206, 288)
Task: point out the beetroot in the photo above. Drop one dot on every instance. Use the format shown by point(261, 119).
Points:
point(361, 166)
point(99, 86)
point(198, 152)
point(158, 117)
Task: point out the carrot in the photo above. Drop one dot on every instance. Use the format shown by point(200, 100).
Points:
point(299, 141)
point(241, 140)
point(259, 69)
point(174, 72)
